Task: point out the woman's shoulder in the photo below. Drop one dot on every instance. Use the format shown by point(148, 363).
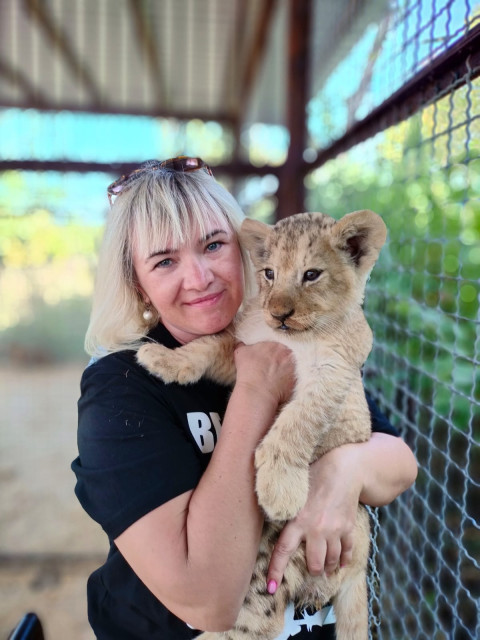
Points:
point(116, 390)
point(124, 362)
point(110, 370)
point(111, 362)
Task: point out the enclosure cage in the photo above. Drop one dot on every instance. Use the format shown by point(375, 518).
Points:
point(415, 160)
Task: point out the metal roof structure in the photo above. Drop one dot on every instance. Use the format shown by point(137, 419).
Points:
point(236, 62)
point(224, 60)
point(230, 61)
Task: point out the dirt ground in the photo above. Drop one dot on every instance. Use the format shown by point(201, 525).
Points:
point(48, 545)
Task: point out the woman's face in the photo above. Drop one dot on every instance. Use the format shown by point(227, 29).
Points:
point(196, 288)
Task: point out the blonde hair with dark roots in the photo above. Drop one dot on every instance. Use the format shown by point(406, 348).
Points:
point(159, 206)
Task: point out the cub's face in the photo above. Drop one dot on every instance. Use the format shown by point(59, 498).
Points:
point(311, 270)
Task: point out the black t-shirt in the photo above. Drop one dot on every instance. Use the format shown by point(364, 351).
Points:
point(142, 443)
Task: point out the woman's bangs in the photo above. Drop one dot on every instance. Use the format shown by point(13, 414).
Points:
point(156, 233)
point(173, 219)
point(205, 216)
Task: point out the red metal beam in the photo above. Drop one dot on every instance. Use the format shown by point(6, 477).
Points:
point(38, 10)
point(447, 72)
point(256, 53)
point(234, 169)
point(232, 73)
point(148, 48)
point(220, 117)
point(18, 79)
point(253, 62)
point(291, 193)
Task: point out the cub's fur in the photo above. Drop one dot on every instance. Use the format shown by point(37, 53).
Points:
point(311, 273)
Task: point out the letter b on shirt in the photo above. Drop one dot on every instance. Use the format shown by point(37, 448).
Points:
point(205, 429)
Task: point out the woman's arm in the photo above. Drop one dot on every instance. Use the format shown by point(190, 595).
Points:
point(373, 472)
point(196, 553)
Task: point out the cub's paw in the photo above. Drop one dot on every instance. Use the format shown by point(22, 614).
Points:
point(171, 365)
point(282, 487)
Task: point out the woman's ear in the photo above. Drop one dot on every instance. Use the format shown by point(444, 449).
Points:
point(142, 295)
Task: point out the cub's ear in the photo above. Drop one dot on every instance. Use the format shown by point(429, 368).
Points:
point(253, 235)
point(360, 235)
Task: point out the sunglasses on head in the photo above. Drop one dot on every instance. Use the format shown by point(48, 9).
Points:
point(180, 164)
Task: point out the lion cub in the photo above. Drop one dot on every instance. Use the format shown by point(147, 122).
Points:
point(311, 273)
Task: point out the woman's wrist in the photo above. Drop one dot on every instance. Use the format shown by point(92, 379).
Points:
point(378, 470)
point(261, 394)
point(343, 462)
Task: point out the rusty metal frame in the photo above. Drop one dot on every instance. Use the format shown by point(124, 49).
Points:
point(39, 11)
point(148, 47)
point(291, 194)
point(457, 66)
point(235, 170)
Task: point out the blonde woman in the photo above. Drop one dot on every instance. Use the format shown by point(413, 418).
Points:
point(167, 471)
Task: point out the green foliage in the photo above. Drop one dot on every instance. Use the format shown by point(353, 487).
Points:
point(46, 283)
point(35, 239)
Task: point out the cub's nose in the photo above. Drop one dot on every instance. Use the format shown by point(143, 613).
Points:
point(281, 317)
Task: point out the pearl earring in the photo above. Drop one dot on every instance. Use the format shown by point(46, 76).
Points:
point(147, 314)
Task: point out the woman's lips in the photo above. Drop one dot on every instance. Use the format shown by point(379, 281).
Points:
point(206, 301)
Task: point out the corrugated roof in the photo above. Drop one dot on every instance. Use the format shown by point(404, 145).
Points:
point(223, 60)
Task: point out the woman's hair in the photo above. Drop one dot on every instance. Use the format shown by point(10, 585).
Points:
point(159, 208)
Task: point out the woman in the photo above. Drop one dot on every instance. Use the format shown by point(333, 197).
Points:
point(168, 470)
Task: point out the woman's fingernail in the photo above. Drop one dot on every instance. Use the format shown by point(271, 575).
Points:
point(271, 586)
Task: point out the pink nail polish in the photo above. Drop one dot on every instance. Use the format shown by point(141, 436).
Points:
point(271, 587)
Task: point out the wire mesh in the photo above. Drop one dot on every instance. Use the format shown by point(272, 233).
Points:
point(423, 177)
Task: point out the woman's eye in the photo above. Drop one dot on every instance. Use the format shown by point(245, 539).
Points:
point(311, 275)
point(213, 246)
point(164, 263)
point(269, 275)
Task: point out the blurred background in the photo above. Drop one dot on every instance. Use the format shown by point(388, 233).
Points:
point(296, 105)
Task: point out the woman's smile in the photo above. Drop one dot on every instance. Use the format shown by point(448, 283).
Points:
point(206, 301)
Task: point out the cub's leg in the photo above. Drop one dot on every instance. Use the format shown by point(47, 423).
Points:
point(210, 356)
point(351, 608)
point(351, 599)
point(283, 457)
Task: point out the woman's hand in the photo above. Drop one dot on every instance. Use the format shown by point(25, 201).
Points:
point(266, 368)
point(374, 473)
point(326, 523)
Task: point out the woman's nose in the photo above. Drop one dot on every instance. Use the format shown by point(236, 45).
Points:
point(198, 275)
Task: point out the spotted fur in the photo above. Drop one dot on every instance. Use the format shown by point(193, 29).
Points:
point(311, 274)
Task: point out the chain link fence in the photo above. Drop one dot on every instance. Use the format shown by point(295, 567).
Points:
point(423, 176)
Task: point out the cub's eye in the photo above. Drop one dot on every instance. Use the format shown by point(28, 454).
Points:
point(311, 275)
point(269, 275)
